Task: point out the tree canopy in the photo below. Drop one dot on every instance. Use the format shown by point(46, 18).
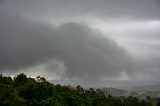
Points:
point(25, 91)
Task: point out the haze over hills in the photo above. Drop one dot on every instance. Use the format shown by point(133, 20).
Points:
point(139, 89)
point(145, 85)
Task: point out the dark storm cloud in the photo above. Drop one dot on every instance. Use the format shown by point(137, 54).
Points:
point(29, 35)
point(85, 52)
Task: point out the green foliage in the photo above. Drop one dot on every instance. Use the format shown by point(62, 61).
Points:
point(5, 80)
point(56, 100)
point(23, 91)
point(75, 99)
point(20, 79)
point(9, 96)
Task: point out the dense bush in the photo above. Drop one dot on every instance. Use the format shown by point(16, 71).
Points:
point(24, 91)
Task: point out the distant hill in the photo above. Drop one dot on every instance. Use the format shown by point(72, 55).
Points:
point(115, 92)
point(155, 87)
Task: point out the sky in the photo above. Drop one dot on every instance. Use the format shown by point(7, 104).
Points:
point(88, 40)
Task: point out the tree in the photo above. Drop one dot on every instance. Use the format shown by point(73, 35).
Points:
point(56, 100)
point(80, 89)
point(5, 80)
point(9, 96)
point(20, 79)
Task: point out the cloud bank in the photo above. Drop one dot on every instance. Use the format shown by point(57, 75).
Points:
point(86, 53)
point(83, 39)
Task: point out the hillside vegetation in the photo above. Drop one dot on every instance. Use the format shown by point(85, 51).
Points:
point(24, 91)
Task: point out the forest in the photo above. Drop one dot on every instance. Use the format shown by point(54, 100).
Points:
point(25, 91)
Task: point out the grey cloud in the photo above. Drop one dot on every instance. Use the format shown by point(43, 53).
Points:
point(26, 39)
point(86, 53)
point(139, 9)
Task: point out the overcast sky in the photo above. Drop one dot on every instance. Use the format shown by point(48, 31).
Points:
point(92, 40)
